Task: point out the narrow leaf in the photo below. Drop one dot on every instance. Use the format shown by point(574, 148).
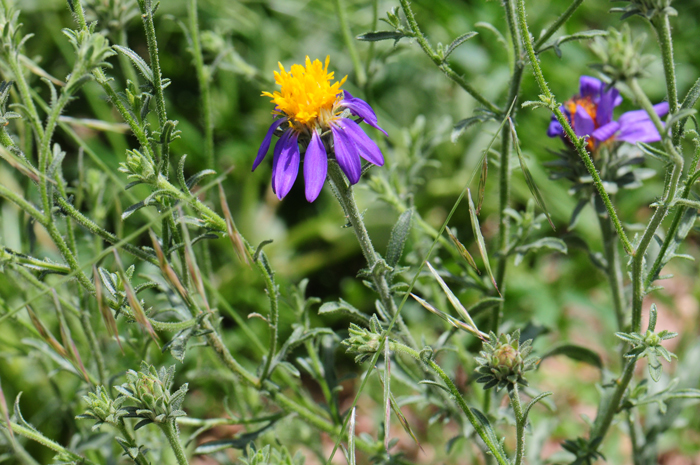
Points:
point(448, 318)
point(233, 234)
point(398, 236)
point(140, 64)
point(534, 190)
point(167, 270)
point(381, 35)
point(462, 250)
point(105, 311)
point(480, 240)
point(135, 304)
point(457, 42)
point(576, 352)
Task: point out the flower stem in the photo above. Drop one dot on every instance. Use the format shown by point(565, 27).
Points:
point(662, 27)
point(519, 425)
point(36, 436)
point(121, 426)
point(579, 143)
point(614, 270)
point(170, 430)
point(377, 266)
point(147, 17)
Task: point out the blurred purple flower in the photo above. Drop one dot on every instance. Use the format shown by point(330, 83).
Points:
point(590, 114)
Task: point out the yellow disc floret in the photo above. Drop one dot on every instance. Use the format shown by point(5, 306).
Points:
point(306, 96)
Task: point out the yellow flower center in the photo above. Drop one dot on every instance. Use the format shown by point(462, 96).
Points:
point(307, 96)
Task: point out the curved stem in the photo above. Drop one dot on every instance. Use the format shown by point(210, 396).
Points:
point(444, 67)
point(551, 30)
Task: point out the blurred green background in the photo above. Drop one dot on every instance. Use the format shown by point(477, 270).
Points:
point(418, 106)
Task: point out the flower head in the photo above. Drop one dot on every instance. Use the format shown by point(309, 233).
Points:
point(309, 105)
point(590, 114)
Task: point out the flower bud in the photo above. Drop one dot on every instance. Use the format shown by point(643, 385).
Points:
point(503, 361)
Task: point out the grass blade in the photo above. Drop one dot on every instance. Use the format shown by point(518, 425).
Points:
point(480, 240)
point(105, 311)
point(462, 250)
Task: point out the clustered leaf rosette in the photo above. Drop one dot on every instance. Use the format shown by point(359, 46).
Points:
point(102, 408)
point(318, 116)
point(649, 9)
point(149, 391)
point(504, 361)
point(364, 342)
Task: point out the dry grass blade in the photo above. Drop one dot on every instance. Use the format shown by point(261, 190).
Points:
point(136, 307)
point(19, 164)
point(459, 324)
point(462, 250)
point(397, 411)
point(66, 337)
point(453, 298)
point(534, 190)
point(233, 234)
point(167, 270)
point(480, 240)
point(482, 182)
point(46, 334)
point(192, 265)
point(105, 311)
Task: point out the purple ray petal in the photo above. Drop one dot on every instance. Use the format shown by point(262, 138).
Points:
point(583, 123)
point(366, 147)
point(590, 86)
point(606, 104)
point(639, 131)
point(287, 167)
point(359, 107)
point(265, 146)
point(315, 167)
point(276, 154)
point(661, 108)
point(605, 132)
point(346, 154)
point(641, 115)
point(555, 129)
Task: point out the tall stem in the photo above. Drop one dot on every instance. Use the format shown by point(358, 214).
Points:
point(579, 143)
point(519, 425)
point(204, 78)
point(614, 270)
point(376, 266)
point(662, 27)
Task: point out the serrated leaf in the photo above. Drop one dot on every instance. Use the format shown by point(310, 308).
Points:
point(577, 353)
point(397, 239)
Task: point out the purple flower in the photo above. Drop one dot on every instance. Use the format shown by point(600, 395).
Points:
point(311, 106)
point(590, 114)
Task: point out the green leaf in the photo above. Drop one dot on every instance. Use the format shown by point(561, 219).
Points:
point(398, 236)
point(575, 352)
point(346, 309)
point(462, 250)
point(238, 443)
point(140, 64)
point(534, 190)
point(547, 243)
point(455, 301)
point(533, 402)
point(457, 42)
point(381, 35)
point(476, 228)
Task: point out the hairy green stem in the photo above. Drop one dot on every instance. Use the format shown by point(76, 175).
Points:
point(614, 270)
point(662, 27)
point(377, 267)
point(519, 425)
point(36, 436)
point(170, 430)
point(349, 40)
point(609, 405)
point(121, 426)
point(444, 67)
point(563, 18)
point(147, 17)
point(579, 143)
